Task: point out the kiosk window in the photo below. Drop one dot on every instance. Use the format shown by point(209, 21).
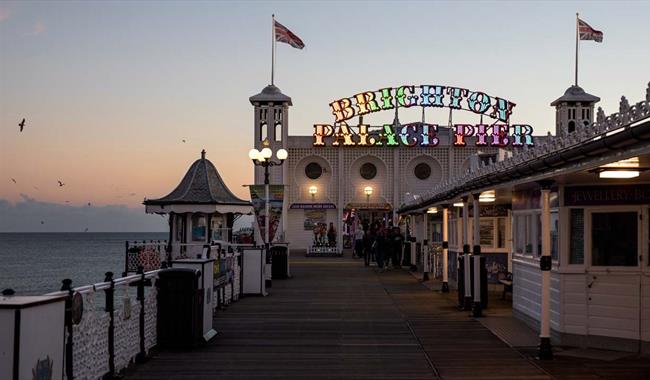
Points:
point(614, 238)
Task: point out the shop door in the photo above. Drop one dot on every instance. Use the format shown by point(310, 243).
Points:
point(614, 276)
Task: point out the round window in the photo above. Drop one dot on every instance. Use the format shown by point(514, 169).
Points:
point(313, 170)
point(422, 171)
point(368, 171)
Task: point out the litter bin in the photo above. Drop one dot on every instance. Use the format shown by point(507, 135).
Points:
point(279, 263)
point(180, 308)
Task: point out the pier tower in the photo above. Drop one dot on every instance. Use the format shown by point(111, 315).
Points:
point(573, 110)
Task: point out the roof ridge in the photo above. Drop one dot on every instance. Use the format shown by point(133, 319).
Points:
point(191, 180)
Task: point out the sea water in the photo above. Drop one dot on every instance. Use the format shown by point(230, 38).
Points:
point(36, 263)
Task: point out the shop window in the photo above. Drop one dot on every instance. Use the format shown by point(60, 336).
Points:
point(422, 171)
point(501, 232)
point(368, 171)
point(614, 239)
point(486, 232)
point(313, 170)
point(492, 232)
point(527, 234)
point(577, 236)
point(198, 227)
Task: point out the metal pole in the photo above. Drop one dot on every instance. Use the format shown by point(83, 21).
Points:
point(467, 281)
point(272, 48)
point(445, 249)
point(545, 263)
point(477, 306)
point(266, 211)
point(577, 39)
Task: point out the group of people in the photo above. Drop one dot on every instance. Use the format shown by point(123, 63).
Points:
point(379, 243)
point(324, 236)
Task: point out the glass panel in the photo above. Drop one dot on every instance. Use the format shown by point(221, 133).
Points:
point(529, 234)
point(577, 236)
point(198, 228)
point(614, 239)
point(179, 227)
point(486, 232)
point(520, 235)
point(501, 232)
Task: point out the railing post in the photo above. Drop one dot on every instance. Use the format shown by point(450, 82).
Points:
point(126, 256)
point(67, 285)
point(111, 325)
point(140, 357)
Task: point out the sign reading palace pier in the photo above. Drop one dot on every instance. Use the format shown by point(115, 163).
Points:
point(421, 134)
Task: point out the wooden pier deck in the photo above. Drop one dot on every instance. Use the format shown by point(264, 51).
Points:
point(337, 319)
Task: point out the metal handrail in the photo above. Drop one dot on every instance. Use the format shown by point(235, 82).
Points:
point(106, 284)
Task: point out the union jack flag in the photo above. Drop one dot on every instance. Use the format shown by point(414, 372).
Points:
point(588, 33)
point(282, 34)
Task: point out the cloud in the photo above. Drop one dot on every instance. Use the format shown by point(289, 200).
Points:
point(4, 13)
point(38, 29)
point(27, 215)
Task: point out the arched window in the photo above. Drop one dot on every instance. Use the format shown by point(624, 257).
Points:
point(278, 132)
point(572, 126)
point(263, 132)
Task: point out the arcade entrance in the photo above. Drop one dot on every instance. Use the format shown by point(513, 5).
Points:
point(358, 215)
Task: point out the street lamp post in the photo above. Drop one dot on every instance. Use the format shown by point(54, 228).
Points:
point(263, 158)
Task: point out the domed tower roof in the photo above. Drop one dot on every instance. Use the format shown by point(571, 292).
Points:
point(575, 94)
point(201, 185)
point(270, 94)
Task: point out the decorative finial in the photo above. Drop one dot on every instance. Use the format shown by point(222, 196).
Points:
point(600, 115)
point(265, 143)
point(624, 106)
point(203, 154)
point(647, 93)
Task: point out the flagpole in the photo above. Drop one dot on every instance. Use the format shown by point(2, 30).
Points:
point(577, 39)
point(272, 48)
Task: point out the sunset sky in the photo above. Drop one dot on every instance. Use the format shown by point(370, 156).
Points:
point(110, 89)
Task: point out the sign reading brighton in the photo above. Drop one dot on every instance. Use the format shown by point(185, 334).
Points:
point(499, 133)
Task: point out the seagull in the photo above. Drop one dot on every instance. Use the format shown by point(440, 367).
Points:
point(22, 124)
point(61, 183)
point(14, 180)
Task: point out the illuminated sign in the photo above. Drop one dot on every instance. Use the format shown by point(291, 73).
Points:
point(422, 134)
point(435, 96)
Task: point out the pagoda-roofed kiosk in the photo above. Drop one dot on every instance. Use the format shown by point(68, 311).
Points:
point(201, 209)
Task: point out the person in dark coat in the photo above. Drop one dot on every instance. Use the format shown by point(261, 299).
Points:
point(396, 247)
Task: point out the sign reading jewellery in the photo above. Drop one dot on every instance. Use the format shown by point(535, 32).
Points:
point(422, 134)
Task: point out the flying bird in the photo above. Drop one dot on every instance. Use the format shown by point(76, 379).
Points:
point(42, 222)
point(183, 140)
point(14, 180)
point(35, 188)
point(67, 201)
point(61, 183)
point(22, 124)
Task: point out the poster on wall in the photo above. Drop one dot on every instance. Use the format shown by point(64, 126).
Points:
point(276, 198)
point(313, 218)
